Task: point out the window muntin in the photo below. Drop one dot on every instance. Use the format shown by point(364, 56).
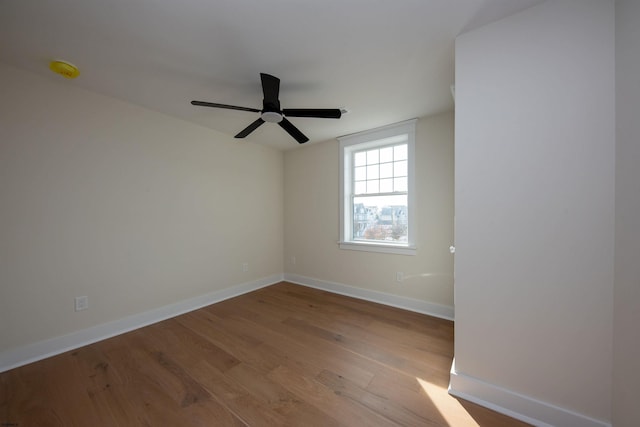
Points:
point(380, 170)
point(377, 204)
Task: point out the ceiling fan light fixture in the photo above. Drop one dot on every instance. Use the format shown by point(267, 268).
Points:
point(271, 117)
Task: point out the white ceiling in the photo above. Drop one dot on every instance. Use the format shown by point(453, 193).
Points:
point(385, 61)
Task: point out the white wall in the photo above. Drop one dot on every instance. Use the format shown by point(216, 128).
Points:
point(535, 146)
point(312, 229)
point(134, 209)
point(626, 372)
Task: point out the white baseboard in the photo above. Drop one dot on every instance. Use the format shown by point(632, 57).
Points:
point(42, 349)
point(406, 303)
point(516, 405)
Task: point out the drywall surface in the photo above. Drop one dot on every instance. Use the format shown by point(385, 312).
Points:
point(626, 373)
point(312, 221)
point(534, 195)
point(134, 209)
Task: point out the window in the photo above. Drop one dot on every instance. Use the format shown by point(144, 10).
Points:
point(377, 208)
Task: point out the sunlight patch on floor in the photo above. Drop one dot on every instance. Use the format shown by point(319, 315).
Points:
point(450, 409)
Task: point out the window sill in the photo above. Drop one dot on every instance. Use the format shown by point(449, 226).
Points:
point(377, 247)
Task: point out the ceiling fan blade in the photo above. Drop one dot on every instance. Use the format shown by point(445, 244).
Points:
point(228, 107)
point(321, 113)
point(271, 90)
point(253, 126)
point(293, 131)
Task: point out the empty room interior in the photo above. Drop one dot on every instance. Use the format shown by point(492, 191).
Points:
point(247, 213)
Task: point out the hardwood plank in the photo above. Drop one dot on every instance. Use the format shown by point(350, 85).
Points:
point(282, 355)
point(341, 322)
point(372, 311)
point(296, 410)
point(299, 349)
point(392, 356)
point(210, 372)
point(386, 407)
point(326, 400)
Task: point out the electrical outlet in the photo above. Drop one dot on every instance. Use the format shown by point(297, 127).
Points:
point(245, 267)
point(399, 276)
point(82, 303)
point(293, 260)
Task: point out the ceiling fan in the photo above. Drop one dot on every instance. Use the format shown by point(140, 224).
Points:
point(272, 113)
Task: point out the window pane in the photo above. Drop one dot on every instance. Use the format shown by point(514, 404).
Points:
point(386, 185)
point(400, 168)
point(380, 218)
point(386, 154)
point(372, 156)
point(361, 173)
point(360, 187)
point(373, 186)
point(400, 152)
point(400, 184)
point(360, 159)
point(372, 172)
point(386, 170)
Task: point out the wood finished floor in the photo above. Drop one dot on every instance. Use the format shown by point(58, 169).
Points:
point(282, 355)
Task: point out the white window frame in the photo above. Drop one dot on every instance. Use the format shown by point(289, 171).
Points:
point(372, 139)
